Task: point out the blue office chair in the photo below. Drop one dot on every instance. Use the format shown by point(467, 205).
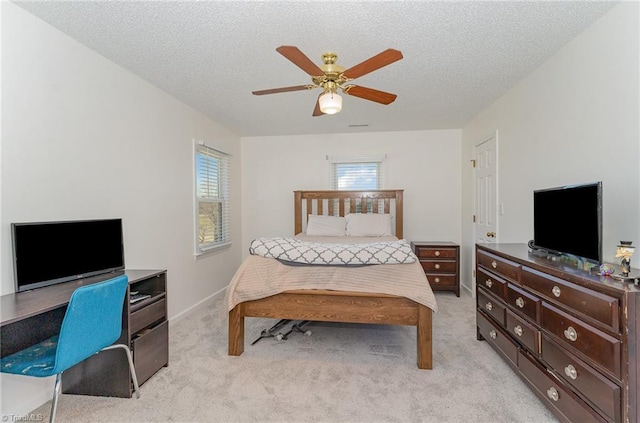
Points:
point(92, 323)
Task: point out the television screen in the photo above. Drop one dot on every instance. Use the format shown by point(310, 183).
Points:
point(568, 220)
point(46, 253)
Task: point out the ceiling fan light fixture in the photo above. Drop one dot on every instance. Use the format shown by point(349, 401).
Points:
point(330, 103)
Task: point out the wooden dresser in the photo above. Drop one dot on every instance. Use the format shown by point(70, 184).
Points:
point(572, 336)
point(441, 264)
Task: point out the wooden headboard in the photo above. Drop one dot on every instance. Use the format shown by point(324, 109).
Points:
point(339, 203)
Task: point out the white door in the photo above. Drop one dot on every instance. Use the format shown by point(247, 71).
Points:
point(486, 182)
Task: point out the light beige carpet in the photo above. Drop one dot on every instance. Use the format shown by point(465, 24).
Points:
point(342, 373)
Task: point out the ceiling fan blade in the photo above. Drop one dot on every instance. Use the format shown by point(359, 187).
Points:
point(299, 59)
point(370, 94)
point(282, 90)
point(376, 62)
point(317, 111)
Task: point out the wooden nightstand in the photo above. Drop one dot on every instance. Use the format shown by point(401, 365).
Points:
point(441, 264)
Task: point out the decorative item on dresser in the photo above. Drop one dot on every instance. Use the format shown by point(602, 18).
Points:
point(441, 264)
point(571, 335)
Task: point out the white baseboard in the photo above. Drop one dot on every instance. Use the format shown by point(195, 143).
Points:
point(195, 307)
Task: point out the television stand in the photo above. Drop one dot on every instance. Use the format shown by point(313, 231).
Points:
point(32, 316)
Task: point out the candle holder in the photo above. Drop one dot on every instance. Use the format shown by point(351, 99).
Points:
point(624, 252)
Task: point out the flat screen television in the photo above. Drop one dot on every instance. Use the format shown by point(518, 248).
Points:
point(568, 221)
point(46, 253)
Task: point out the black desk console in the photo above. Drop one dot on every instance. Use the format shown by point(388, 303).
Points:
point(33, 316)
point(572, 336)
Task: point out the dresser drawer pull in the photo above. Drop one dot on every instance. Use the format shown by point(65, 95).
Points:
point(437, 253)
point(518, 330)
point(520, 302)
point(489, 306)
point(437, 280)
point(493, 334)
point(570, 333)
point(571, 372)
point(553, 394)
point(556, 291)
point(494, 264)
point(489, 283)
point(437, 266)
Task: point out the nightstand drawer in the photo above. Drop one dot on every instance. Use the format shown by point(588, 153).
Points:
point(433, 252)
point(442, 280)
point(439, 266)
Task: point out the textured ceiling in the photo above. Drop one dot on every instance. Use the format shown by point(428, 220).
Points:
point(458, 56)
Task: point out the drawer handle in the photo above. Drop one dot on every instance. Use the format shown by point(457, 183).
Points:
point(493, 334)
point(520, 302)
point(437, 280)
point(553, 394)
point(437, 266)
point(518, 330)
point(437, 253)
point(570, 333)
point(494, 264)
point(556, 291)
point(571, 372)
point(489, 306)
point(489, 283)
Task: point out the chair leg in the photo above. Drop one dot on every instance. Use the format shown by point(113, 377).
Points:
point(56, 395)
point(131, 366)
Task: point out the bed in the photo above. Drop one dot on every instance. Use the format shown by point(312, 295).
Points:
point(352, 305)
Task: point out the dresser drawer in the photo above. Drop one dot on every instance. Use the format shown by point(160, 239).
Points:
point(436, 252)
point(500, 266)
point(523, 302)
point(593, 305)
point(492, 306)
point(598, 347)
point(524, 332)
point(498, 339)
point(555, 393)
point(496, 285)
point(440, 266)
point(603, 393)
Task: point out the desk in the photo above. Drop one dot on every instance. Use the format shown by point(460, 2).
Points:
point(32, 316)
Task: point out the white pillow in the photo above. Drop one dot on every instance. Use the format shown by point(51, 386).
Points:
point(319, 225)
point(368, 224)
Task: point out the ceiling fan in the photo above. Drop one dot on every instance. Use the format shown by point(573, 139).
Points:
point(331, 77)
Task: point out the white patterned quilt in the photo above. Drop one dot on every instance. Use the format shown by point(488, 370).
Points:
point(297, 251)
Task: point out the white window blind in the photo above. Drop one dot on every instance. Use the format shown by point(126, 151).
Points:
point(212, 198)
point(357, 174)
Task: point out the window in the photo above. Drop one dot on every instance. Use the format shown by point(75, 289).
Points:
point(211, 198)
point(357, 173)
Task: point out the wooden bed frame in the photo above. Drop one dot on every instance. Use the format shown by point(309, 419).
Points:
point(340, 306)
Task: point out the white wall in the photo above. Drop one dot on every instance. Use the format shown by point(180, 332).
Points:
point(83, 138)
point(574, 120)
point(426, 164)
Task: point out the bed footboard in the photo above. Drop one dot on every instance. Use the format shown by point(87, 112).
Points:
point(337, 306)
